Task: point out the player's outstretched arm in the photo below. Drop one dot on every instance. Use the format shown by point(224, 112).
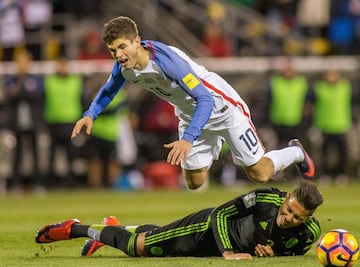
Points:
point(229, 255)
point(86, 122)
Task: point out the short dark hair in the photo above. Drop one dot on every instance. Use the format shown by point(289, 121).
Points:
point(308, 195)
point(120, 27)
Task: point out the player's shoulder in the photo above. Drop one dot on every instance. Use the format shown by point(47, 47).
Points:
point(312, 227)
point(270, 195)
point(155, 45)
point(162, 49)
point(270, 191)
point(312, 223)
point(267, 191)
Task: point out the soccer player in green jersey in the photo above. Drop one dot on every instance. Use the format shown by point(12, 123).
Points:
point(264, 222)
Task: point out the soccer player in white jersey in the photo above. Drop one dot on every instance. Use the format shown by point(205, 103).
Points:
point(209, 109)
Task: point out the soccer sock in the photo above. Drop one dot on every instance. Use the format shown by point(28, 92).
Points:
point(145, 228)
point(79, 230)
point(285, 157)
point(94, 231)
point(121, 237)
point(117, 237)
point(140, 228)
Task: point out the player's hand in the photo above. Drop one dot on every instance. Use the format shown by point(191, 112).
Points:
point(229, 255)
point(179, 150)
point(264, 251)
point(86, 122)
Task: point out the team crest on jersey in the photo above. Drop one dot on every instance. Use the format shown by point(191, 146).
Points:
point(191, 81)
point(249, 200)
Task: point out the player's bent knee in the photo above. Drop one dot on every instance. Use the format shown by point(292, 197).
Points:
point(195, 178)
point(260, 172)
point(257, 175)
point(260, 178)
point(193, 186)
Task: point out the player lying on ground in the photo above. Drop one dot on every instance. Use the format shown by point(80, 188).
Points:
point(210, 110)
point(264, 222)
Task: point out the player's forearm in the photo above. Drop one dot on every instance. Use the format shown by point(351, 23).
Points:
point(230, 255)
point(202, 113)
point(100, 102)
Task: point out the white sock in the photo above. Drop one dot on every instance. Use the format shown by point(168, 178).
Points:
point(94, 233)
point(283, 158)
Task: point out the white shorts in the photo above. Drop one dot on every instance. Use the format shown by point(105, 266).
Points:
point(236, 130)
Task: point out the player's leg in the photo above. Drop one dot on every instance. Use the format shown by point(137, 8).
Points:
point(260, 171)
point(92, 245)
point(125, 238)
point(195, 178)
point(116, 236)
point(259, 166)
point(247, 151)
point(204, 150)
point(277, 160)
point(188, 236)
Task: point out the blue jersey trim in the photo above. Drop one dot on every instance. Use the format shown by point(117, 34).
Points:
point(176, 68)
point(106, 93)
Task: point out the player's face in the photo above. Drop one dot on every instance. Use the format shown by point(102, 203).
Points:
point(125, 51)
point(291, 213)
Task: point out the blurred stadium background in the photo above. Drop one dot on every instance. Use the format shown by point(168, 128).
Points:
point(258, 35)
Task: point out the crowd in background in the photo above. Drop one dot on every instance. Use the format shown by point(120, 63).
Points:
point(279, 27)
point(312, 27)
point(38, 110)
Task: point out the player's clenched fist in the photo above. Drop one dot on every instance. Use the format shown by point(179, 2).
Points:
point(86, 122)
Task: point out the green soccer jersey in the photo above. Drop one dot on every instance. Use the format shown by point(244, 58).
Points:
point(250, 219)
point(238, 226)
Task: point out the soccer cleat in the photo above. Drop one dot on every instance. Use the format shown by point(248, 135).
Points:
point(55, 232)
point(307, 166)
point(92, 245)
point(111, 220)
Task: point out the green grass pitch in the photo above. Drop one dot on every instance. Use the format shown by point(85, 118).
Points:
point(20, 218)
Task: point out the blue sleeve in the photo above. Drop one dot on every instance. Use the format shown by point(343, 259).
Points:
point(177, 69)
point(106, 93)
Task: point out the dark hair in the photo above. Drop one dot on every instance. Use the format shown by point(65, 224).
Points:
point(308, 195)
point(120, 27)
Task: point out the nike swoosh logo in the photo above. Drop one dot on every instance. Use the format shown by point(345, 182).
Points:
point(256, 150)
point(340, 258)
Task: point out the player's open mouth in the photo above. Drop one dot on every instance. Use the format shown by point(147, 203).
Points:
point(123, 61)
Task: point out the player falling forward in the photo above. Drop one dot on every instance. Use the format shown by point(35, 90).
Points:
point(264, 222)
point(210, 111)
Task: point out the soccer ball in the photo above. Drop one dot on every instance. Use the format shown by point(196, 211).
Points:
point(337, 247)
